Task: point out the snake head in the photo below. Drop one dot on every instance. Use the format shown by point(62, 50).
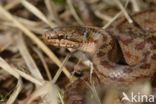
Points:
point(60, 37)
point(76, 37)
point(59, 40)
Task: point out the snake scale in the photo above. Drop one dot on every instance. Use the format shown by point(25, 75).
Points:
point(136, 42)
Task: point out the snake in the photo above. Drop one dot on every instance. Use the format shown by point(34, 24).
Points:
point(122, 54)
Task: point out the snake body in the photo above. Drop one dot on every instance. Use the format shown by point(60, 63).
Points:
point(136, 42)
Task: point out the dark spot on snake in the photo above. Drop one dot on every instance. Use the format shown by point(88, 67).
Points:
point(149, 21)
point(104, 46)
point(141, 77)
point(154, 57)
point(128, 54)
point(153, 47)
point(106, 64)
point(100, 54)
point(121, 79)
point(128, 70)
point(140, 46)
point(104, 38)
point(146, 66)
point(125, 40)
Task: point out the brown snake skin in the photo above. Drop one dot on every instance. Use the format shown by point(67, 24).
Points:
point(136, 42)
